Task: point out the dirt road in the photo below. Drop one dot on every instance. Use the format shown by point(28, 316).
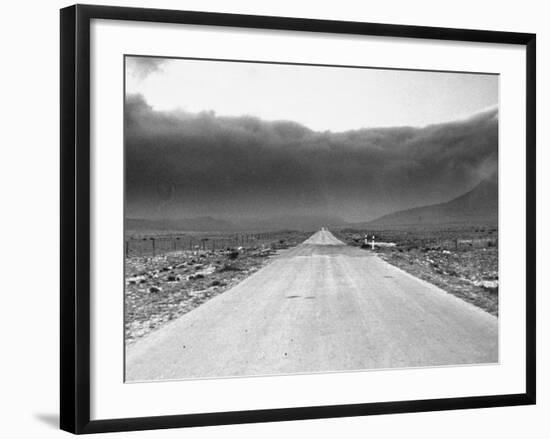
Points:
point(321, 306)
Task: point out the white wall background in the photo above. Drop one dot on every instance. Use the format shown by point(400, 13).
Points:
point(29, 198)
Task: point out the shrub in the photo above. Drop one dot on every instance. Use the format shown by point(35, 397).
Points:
point(230, 267)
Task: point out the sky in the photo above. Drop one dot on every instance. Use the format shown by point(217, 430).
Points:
point(321, 98)
point(238, 141)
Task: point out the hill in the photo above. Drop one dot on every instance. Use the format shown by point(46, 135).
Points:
point(478, 206)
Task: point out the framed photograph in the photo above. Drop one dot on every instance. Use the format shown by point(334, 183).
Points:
point(268, 218)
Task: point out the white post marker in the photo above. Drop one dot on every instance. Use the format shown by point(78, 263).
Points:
point(372, 243)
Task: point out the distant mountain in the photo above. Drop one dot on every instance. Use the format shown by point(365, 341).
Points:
point(210, 224)
point(478, 206)
point(198, 224)
point(294, 222)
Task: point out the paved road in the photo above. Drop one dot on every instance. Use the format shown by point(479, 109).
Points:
point(321, 306)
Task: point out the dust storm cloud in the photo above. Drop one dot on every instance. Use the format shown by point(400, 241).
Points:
point(180, 164)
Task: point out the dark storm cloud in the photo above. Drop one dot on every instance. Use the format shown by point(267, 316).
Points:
point(195, 164)
point(141, 67)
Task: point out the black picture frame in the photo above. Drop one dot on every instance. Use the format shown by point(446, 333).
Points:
point(75, 217)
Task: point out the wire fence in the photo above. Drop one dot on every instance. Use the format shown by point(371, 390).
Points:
point(159, 245)
point(155, 245)
point(422, 240)
point(456, 244)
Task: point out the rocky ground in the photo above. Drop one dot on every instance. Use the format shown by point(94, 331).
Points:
point(161, 288)
point(471, 275)
point(461, 262)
